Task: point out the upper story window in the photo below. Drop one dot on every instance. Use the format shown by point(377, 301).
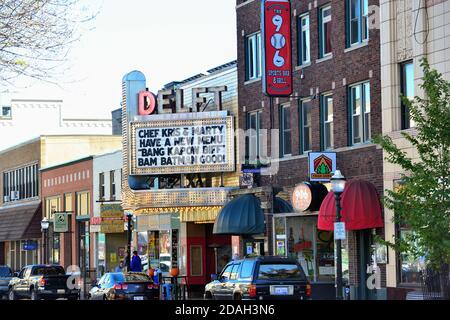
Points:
point(101, 186)
point(254, 137)
point(326, 110)
point(407, 90)
point(83, 203)
point(305, 125)
point(357, 21)
point(6, 112)
point(285, 130)
point(304, 51)
point(112, 185)
point(359, 100)
point(21, 183)
point(253, 56)
point(324, 31)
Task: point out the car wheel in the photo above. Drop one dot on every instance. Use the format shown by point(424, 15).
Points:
point(237, 296)
point(34, 295)
point(104, 297)
point(208, 296)
point(11, 294)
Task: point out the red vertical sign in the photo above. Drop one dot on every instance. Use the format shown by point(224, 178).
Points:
point(277, 55)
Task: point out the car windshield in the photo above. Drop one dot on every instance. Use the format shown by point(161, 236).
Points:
point(135, 277)
point(5, 272)
point(279, 271)
point(48, 271)
point(117, 277)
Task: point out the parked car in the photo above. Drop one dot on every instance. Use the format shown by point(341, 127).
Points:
point(125, 286)
point(42, 282)
point(6, 275)
point(260, 278)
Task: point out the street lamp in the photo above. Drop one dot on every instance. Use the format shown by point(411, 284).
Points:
point(338, 186)
point(129, 218)
point(44, 228)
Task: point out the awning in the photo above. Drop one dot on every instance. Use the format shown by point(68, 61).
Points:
point(282, 206)
point(21, 222)
point(360, 204)
point(241, 216)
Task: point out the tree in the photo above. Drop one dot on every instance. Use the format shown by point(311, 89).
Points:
point(35, 36)
point(422, 202)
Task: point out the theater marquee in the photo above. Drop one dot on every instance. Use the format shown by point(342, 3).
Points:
point(182, 146)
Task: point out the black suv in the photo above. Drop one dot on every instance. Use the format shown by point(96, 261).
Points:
point(260, 278)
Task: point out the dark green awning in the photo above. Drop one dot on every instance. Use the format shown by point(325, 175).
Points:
point(282, 206)
point(241, 216)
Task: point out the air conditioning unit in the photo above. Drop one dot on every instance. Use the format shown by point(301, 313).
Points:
point(6, 199)
point(14, 195)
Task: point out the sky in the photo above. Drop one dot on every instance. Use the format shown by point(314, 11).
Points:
point(167, 40)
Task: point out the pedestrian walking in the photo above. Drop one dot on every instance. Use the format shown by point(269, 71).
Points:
point(120, 267)
point(136, 264)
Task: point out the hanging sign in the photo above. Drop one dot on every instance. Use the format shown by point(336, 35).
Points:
point(61, 222)
point(277, 55)
point(322, 166)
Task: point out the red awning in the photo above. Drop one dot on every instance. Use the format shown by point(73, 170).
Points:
point(360, 204)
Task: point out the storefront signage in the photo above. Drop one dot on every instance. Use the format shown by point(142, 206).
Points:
point(182, 146)
point(174, 248)
point(339, 231)
point(112, 218)
point(30, 245)
point(277, 55)
point(301, 197)
point(60, 222)
point(322, 165)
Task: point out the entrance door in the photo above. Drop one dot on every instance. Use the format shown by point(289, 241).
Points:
point(365, 241)
point(83, 251)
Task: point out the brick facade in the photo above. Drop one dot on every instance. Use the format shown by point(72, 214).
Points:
point(346, 67)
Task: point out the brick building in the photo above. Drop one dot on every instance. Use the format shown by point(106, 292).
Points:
point(335, 106)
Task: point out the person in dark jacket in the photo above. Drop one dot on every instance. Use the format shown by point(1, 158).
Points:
point(136, 264)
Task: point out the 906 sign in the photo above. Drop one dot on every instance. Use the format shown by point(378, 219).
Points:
point(277, 55)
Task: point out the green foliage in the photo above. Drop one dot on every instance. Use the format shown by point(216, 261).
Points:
point(422, 202)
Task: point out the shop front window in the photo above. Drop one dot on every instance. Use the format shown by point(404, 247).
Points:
point(411, 267)
point(298, 237)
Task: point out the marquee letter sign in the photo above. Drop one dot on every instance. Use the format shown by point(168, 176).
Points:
point(277, 55)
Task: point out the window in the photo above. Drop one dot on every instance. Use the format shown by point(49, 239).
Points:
point(281, 271)
point(305, 126)
point(324, 31)
point(196, 261)
point(407, 90)
point(254, 138)
point(360, 113)
point(6, 112)
point(357, 21)
point(112, 184)
point(303, 40)
point(234, 271)
point(83, 204)
point(21, 183)
point(68, 202)
point(51, 205)
point(253, 56)
point(285, 118)
point(327, 121)
point(227, 272)
point(247, 269)
point(101, 187)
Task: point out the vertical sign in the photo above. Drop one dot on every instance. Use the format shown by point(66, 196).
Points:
point(174, 248)
point(277, 55)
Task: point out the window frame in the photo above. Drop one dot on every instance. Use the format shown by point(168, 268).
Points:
point(300, 32)
point(253, 63)
point(323, 104)
point(303, 150)
point(322, 37)
point(405, 119)
point(284, 131)
point(256, 134)
point(9, 115)
point(365, 138)
point(112, 185)
point(362, 22)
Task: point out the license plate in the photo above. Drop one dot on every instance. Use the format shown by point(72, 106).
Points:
point(281, 290)
point(138, 298)
point(61, 291)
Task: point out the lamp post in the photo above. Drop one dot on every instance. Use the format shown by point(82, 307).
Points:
point(129, 218)
point(44, 228)
point(337, 186)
